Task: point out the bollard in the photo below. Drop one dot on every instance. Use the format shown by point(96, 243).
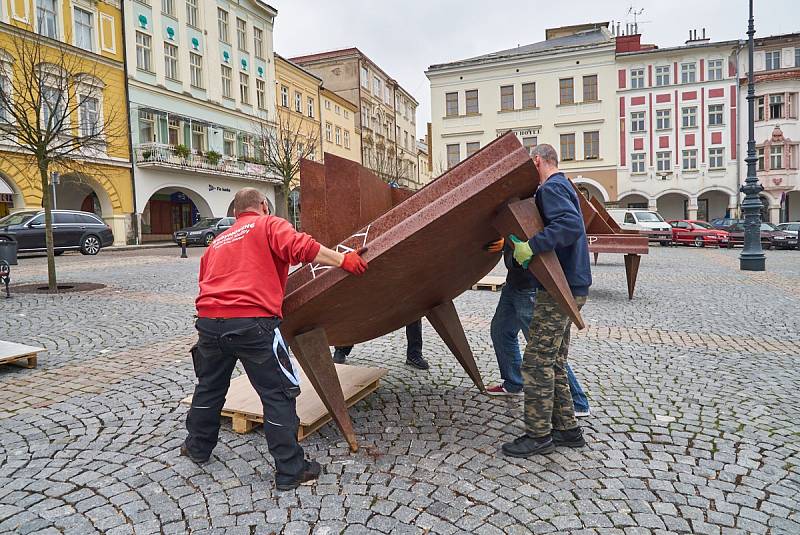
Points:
point(183, 248)
point(5, 276)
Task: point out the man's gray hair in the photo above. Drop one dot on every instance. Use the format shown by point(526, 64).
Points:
point(545, 152)
point(247, 199)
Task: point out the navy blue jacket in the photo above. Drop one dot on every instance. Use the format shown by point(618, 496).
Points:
point(518, 277)
point(563, 232)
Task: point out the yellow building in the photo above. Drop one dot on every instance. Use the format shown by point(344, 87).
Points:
point(78, 44)
point(340, 135)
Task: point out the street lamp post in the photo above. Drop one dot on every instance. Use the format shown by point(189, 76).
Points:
point(752, 257)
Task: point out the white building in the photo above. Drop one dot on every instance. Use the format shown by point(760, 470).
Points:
point(776, 65)
point(559, 91)
point(200, 74)
point(678, 127)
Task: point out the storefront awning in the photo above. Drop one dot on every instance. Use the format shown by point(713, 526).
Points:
point(5, 188)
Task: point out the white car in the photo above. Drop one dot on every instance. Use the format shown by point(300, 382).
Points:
point(791, 227)
point(647, 222)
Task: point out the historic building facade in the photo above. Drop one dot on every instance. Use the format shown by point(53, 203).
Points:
point(559, 91)
point(87, 37)
point(341, 135)
point(352, 75)
point(777, 128)
point(678, 113)
point(202, 89)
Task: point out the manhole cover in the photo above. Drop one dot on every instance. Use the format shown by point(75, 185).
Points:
point(67, 287)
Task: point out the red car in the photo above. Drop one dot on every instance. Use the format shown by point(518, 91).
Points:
point(698, 233)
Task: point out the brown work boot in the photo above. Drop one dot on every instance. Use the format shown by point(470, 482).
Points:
point(307, 476)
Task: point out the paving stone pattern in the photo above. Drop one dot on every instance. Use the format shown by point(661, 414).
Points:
point(694, 427)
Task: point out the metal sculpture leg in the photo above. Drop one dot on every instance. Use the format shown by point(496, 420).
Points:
point(444, 319)
point(314, 355)
point(595, 258)
point(631, 271)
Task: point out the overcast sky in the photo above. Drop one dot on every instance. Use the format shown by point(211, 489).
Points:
point(405, 37)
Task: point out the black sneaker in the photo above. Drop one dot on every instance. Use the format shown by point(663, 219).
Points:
point(186, 453)
point(417, 361)
point(339, 357)
point(571, 438)
point(309, 475)
point(525, 446)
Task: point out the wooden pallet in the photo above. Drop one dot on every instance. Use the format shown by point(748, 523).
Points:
point(243, 406)
point(13, 353)
point(490, 282)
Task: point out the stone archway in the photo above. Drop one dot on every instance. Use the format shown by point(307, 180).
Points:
point(792, 206)
point(171, 208)
point(11, 198)
point(713, 204)
point(591, 188)
point(82, 192)
point(633, 200)
point(673, 205)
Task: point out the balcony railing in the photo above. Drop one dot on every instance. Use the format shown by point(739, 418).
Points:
point(160, 155)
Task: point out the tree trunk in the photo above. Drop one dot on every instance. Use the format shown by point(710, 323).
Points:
point(47, 201)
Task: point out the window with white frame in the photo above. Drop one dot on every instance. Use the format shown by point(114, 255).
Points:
point(663, 119)
point(47, 18)
point(590, 90)
point(637, 78)
point(377, 87)
point(261, 94)
point(337, 109)
point(347, 139)
point(760, 156)
point(244, 88)
point(451, 104)
point(310, 106)
point(637, 162)
point(662, 75)
point(566, 91)
point(688, 73)
point(507, 97)
point(473, 147)
point(227, 81)
point(258, 42)
point(690, 160)
point(689, 117)
point(715, 157)
point(715, 116)
point(222, 25)
point(83, 21)
point(298, 102)
point(147, 127)
point(528, 95)
point(144, 53)
point(387, 97)
point(591, 145)
point(229, 144)
point(174, 132)
point(327, 104)
point(168, 7)
point(715, 69)
point(328, 132)
point(773, 60)
point(364, 117)
point(637, 121)
point(198, 137)
point(776, 157)
point(776, 106)
point(364, 77)
point(529, 143)
point(338, 135)
point(471, 97)
point(248, 146)
point(241, 34)
point(5, 92)
point(567, 147)
point(284, 96)
point(663, 161)
point(453, 155)
point(171, 61)
point(196, 69)
point(89, 115)
point(192, 15)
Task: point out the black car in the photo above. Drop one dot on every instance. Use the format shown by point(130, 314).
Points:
point(771, 236)
point(72, 231)
point(204, 231)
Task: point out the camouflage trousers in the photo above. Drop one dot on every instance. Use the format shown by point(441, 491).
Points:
point(548, 402)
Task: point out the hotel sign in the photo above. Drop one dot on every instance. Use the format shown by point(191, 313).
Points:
point(521, 132)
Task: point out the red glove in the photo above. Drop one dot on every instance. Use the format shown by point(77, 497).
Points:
point(353, 263)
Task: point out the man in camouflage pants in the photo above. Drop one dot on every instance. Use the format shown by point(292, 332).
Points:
point(549, 413)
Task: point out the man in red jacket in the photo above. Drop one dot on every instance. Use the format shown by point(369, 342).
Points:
point(242, 282)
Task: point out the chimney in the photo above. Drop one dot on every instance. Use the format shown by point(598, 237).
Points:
point(618, 28)
point(704, 33)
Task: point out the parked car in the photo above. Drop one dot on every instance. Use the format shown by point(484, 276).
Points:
point(204, 231)
point(72, 230)
point(647, 222)
point(697, 233)
point(770, 236)
point(725, 222)
point(793, 227)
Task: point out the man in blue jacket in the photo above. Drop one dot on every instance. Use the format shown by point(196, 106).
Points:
point(549, 414)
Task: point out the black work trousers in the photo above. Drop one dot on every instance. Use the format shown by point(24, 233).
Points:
point(252, 341)
point(413, 338)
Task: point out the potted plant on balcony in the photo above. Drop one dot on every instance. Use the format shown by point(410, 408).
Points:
point(182, 151)
point(213, 157)
point(147, 155)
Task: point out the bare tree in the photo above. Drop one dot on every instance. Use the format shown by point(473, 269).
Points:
point(281, 146)
point(388, 165)
point(51, 115)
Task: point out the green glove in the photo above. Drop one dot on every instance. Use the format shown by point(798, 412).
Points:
point(522, 251)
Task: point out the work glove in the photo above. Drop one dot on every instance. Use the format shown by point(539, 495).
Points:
point(353, 263)
point(522, 251)
point(495, 246)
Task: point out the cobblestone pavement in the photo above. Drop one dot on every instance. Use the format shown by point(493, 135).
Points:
point(694, 425)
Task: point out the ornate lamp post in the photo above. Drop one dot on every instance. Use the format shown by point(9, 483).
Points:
point(752, 257)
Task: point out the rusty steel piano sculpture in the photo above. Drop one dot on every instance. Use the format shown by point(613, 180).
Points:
point(423, 253)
